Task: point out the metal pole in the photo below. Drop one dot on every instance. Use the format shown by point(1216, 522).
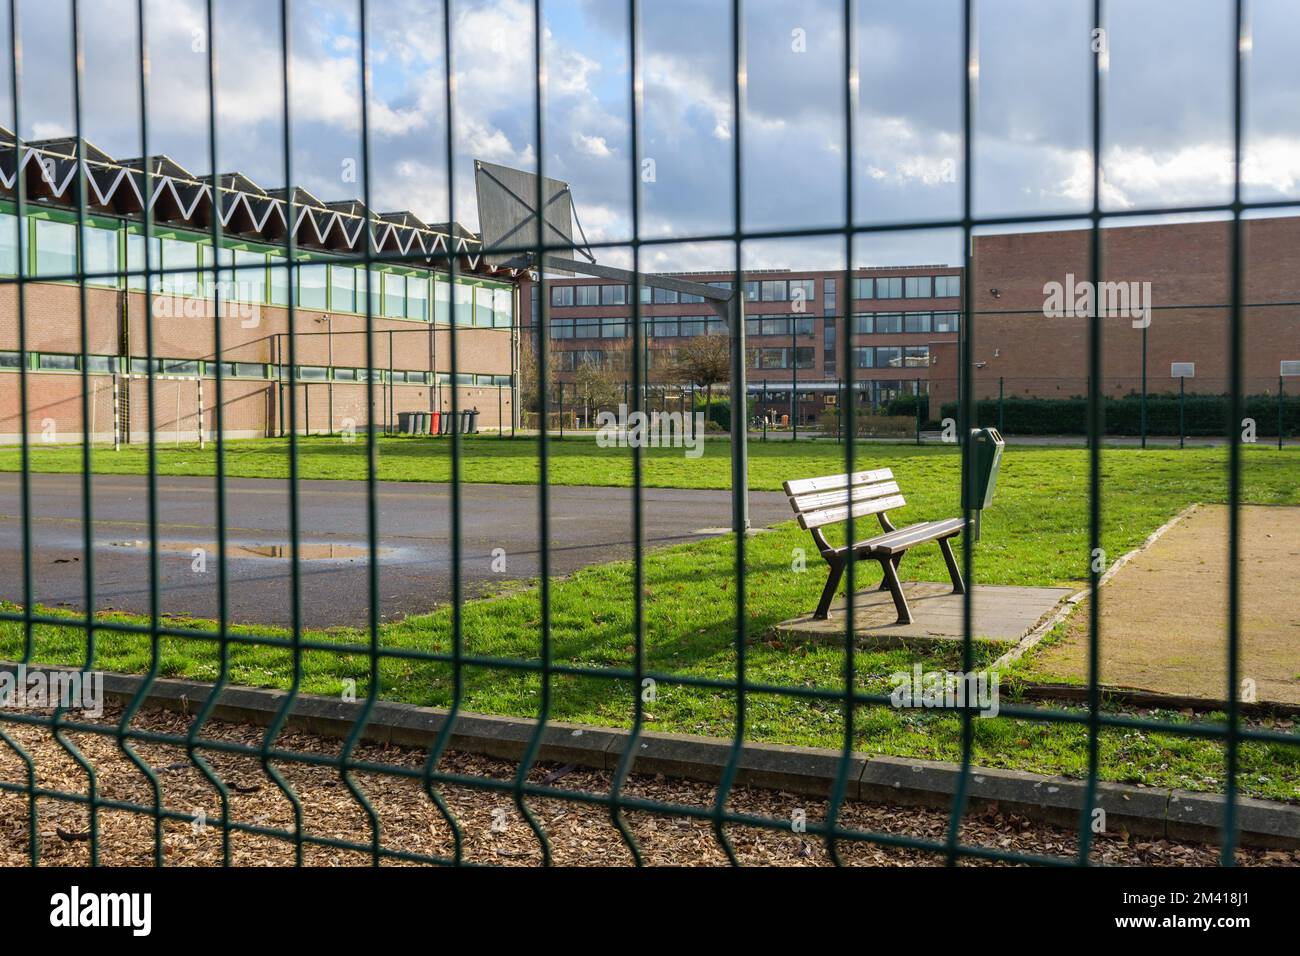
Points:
point(1280, 404)
point(501, 425)
point(117, 415)
point(1001, 427)
point(794, 381)
point(1144, 386)
point(1182, 410)
point(764, 415)
point(561, 411)
point(201, 444)
point(917, 389)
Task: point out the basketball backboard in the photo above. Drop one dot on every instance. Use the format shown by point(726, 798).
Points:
point(507, 213)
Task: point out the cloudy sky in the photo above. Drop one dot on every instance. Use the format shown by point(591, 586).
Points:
point(1167, 130)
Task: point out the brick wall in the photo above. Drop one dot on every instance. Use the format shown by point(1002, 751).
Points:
point(1188, 267)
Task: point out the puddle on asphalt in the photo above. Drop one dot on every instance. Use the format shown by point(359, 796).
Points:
point(307, 551)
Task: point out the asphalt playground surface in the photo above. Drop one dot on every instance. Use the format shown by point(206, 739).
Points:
point(588, 526)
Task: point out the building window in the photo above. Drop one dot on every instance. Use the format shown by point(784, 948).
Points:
point(394, 296)
point(775, 290)
point(101, 254)
point(752, 291)
point(503, 308)
point(313, 292)
point(947, 286)
point(916, 322)
point(179, 254)
point(313, 373)
point(613, 295)
point(864, 356)
point(9, 244)
point(57, 363)
point(417, 297)
point(586, 295)
point(613, 328)
point(342, 288)
point(694, 325)
point(180, 367)
point(889, 357)
point(803, 290)
point(945, 322)
point(56, 248)
point(891, 288)
point(663, 328)
point(916, 356)
point(586, 328)
point(828, 348)
point(561, 328)
point(665, 297)
point(917, 287)
point(887, 322)
point(561, 295)
point(864, 323)
point(279, 280)
point(135, 259)
point(483, 301)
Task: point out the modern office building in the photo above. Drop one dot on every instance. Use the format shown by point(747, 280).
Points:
point(1165, 295)
point(794, 321)
point(166, 328)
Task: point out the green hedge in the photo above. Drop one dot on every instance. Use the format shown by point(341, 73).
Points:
point(1204, 415)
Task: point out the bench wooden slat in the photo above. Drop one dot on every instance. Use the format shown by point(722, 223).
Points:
point(802, 486)
point(819, 519)
point(817, 500)
point(909, 537)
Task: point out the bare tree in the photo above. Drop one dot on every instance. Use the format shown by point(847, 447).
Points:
point(705, 361)
point(599, 384)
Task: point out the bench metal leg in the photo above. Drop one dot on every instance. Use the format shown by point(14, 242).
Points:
point(954, 572)
point(896, 589)
point(897, 560)
point(828, 593)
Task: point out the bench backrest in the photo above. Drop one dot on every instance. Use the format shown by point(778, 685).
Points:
point(821, 501)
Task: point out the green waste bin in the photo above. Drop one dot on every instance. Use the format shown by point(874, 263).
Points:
point(986, 459)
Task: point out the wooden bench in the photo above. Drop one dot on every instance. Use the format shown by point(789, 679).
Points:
point(819, 502)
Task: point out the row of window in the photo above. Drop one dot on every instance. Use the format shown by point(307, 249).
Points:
point(247, 275)
point(907, 287)
point(891, 356)
point(668, 327)
point(884, 323)
point(564, 296)
point(764, 359)
point(191, 368)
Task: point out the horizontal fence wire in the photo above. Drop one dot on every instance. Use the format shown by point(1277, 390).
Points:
point(972, 401)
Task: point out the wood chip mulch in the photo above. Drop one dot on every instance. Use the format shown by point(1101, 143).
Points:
point(494, 831)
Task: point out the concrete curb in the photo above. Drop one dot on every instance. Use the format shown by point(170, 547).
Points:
point(1146, 811)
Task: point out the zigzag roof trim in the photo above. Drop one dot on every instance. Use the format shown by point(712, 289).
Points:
point(51, 170)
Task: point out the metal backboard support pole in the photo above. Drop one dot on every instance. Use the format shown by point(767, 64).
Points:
point(729, 304)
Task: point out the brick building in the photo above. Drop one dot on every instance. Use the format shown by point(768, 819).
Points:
point(905, 321)
point(1023, 352)
point(414, 307)
point(794, 320)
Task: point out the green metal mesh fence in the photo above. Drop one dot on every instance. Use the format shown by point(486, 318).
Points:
point(545, 668)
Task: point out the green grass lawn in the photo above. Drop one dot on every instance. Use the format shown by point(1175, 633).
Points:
point(1036, 534)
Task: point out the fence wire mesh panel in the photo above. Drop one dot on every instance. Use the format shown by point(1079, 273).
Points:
point(333, 533)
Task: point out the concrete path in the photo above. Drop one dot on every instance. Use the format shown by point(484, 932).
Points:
point(588, 526)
